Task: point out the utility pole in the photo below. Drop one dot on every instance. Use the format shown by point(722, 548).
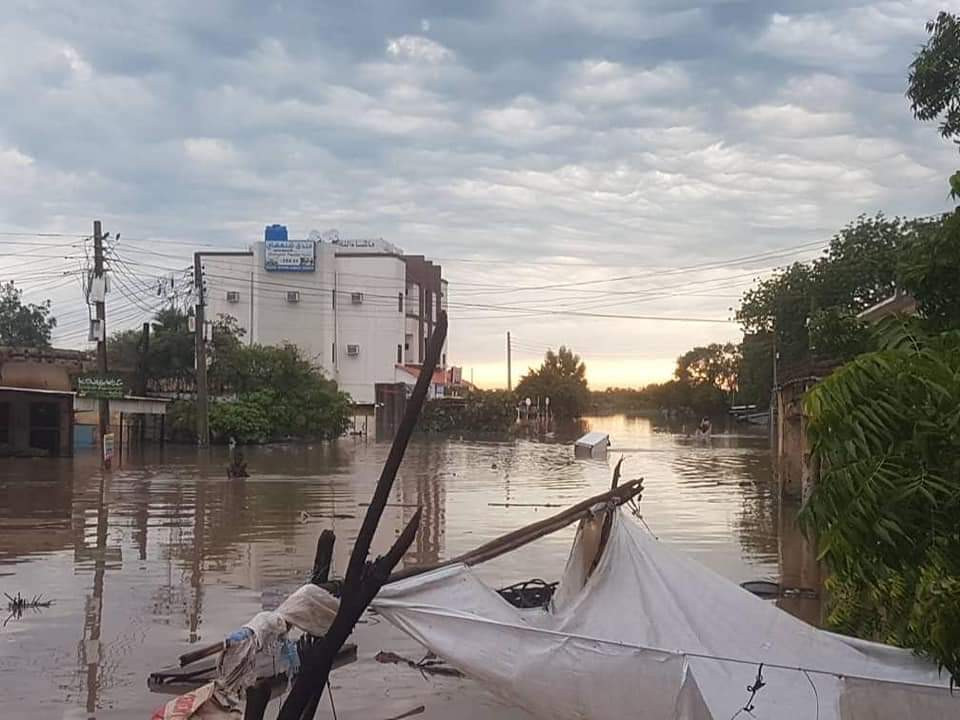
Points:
point(142, 364)
point(203, 426)
point(142, 375)
point(103, 404)
point(509, 371)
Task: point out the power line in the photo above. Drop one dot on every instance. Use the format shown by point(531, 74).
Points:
point(8, 233)
point(659, 273)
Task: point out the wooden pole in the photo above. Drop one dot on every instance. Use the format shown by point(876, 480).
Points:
point(525, 535)
point(364, 579)
point(323, 558)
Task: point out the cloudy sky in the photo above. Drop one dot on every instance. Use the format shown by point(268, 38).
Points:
point(536, 149)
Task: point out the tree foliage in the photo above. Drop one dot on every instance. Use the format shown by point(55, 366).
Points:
point(705, 378)
point(715, 364)
point(274, 392)
point(885, 429)
point(168, 364)
point(755, 370)
point(25, 325)
point(260, 392)
point(930, 271)
point(479, 411)
point(562, 377)
point(809, 309)
point(934, 79)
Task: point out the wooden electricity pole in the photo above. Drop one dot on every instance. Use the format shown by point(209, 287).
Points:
point(203, 424)
point(103, 415)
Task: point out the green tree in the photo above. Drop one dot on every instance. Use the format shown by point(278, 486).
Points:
point(885, 430)
point(229, 364)
point(780, 306)
point(562, 377)
point(715, 364)
point(810, 309)
point(168, 364)
point(172, 348)
point(755, 370)
point(934, 81)
point(278, 393)
point(26, 325)
point(930, 271)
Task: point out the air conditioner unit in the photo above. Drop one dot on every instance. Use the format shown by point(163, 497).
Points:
point(356, 298)
point(233, 296)
point(293, 296)
point(353, 350)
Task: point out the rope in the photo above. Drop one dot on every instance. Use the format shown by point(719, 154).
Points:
point(816, 695)
point(753, 690)
point(330, 695)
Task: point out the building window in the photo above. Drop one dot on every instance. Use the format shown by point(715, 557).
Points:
point(333, 353)
point(293, 296)
point(399, 354)
point(356, 298)
point(443, 362)
point(233, 296)
point(333, 294)
point(399, 302)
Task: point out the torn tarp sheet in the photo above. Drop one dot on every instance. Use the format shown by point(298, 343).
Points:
point(652, 634)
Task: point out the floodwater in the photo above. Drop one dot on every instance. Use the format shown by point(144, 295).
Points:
point(164, 551)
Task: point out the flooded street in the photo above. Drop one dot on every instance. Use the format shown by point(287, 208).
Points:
point(165, 551)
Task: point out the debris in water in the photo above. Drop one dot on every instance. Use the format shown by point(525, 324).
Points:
point(525, 505)
point(306, 517)
point(409, 713)
point(17, 605)
point(429, 664)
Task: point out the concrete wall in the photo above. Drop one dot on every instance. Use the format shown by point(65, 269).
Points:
point(796, 471)
point(275, 320)
point(376, 324)
point(230, 273)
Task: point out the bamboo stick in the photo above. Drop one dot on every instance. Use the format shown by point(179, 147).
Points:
point(525, 535)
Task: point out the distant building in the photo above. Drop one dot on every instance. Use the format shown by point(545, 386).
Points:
point(900, 303)
point(36, 400)
point(359, 309)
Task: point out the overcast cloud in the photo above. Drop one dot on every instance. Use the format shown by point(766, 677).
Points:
point(547, 142)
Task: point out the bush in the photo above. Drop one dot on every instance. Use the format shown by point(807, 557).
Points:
point(181, 421)
point(885, 429)
point(246, 420)
point(318, 411)
point(478, 411)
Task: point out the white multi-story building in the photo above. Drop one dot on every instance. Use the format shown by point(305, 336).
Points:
point(360, 310)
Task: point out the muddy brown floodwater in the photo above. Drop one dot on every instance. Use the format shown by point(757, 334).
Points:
point(164, 551)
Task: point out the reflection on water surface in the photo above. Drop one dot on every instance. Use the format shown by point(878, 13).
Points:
point(165, 551)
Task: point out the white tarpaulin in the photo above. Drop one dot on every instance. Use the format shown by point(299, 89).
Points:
point(652, 634)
